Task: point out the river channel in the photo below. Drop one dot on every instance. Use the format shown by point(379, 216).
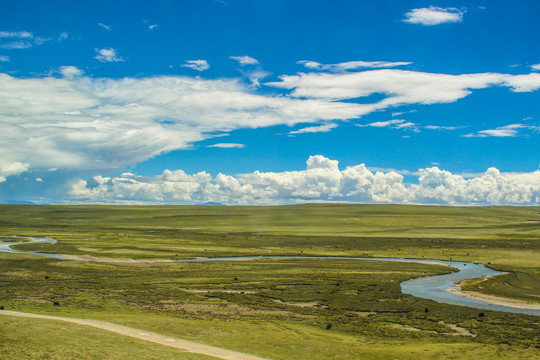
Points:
point(435, 288)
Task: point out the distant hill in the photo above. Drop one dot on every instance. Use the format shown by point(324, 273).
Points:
point(212, 204)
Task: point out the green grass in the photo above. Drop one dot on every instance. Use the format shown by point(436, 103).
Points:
point(279, 309)
point(48, 339)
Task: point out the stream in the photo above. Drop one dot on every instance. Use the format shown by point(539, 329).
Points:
point(433, 287)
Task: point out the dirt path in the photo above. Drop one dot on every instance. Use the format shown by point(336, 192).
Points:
point(184, 345)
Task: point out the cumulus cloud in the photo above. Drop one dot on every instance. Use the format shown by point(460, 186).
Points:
point(434, 16)
point(199, 65)
point(228, 145)
point(351, 65)
point(11, 168)
point(70, 71)
point(107, 55)
point(314, 129)
point(321, 180)
point(245, 60)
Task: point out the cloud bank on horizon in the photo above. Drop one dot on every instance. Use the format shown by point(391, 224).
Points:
point(91, 128)
point(322, 180)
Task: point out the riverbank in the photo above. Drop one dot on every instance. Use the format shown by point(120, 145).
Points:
point(442, 288)
point(507, 302)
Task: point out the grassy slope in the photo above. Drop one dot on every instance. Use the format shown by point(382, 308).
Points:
point(360, 300)
point(58, 340)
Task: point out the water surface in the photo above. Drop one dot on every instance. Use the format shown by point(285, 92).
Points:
point(433, 287)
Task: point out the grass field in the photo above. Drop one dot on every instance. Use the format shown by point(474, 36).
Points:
point(278, 309)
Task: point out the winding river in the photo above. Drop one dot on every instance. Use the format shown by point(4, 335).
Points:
point(435, 288)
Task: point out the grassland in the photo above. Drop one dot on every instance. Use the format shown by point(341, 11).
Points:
point(278, 309)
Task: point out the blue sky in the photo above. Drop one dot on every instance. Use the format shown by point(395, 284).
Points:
point(270, 102)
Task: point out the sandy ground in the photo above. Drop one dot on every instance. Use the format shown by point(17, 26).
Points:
point(184, 345)
point(519, 304)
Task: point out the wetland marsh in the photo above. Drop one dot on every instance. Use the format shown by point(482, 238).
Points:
point(276, 308)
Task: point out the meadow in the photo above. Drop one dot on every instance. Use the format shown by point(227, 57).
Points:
point(276, 309)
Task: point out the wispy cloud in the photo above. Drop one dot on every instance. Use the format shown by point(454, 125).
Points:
point(393, 124)
point(107, 55)
point(400, 86)
point(228, 146)
point(17, 45)
point(199, 65)
point(314, 129)
point(535, 67)
point(437, 127)
point(434, 16)
point(245, 60)
point(107, 27)
point(351, 65)
point(512, 130)
point(16, 34)
point(25, 39)
point(4, 58)
point(78, 122)
point(150, 27)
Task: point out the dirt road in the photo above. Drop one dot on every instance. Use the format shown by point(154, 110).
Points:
point(184, 345)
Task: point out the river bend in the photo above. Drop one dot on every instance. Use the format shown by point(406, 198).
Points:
point(435, 288)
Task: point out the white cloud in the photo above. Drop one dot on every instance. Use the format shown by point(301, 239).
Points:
point(394, 124)
point(315, 129)
point(24, 39)
point(322, 180)
point(199, 65)
point(107, 55)
point(228, 146)
point(11, 168)
point(16, 34)
point(82, 123)
point(535, 67)
point(245, 60)
point(512, 130)
point(107, 27)
point(523, 83)
point(17, 45)
point(434, 16)
point(70, 71)
point(351, 65)
point(400, 86)
point(39, 180)
point(41, 40)
point(150, 27)
point(388, 123)
point(4, 58)
point(437, 127)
